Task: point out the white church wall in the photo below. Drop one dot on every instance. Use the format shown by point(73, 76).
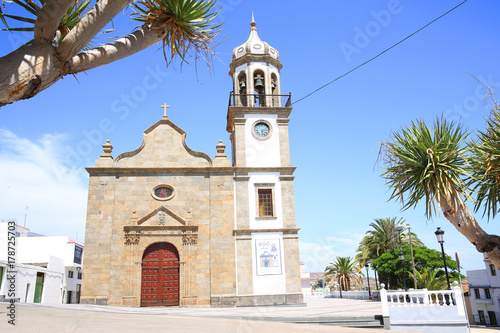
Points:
point(262, 153)
point(271, 279)
point(265, 178)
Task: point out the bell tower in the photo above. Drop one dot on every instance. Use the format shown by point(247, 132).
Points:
point(266, 237)
point(258, 113)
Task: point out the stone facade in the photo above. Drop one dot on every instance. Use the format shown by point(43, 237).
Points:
point(229, 253)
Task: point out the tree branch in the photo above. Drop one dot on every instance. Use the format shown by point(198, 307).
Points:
point(90, 24)
point(121, 48)
point(48, 19)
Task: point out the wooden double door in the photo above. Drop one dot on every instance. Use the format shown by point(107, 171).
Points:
point(160, 275)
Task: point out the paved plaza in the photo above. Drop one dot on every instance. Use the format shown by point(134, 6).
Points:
point(272, 319)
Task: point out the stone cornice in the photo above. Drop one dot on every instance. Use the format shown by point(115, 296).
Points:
point(248, 58)
point(246, 232)
point(139, 228)
point(112, 171)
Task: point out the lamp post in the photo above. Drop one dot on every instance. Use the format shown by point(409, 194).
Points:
point(340, 285)
point(440, 238)
point(402, 258)
point(368, 280)
point(412, 259)
point(400, 228)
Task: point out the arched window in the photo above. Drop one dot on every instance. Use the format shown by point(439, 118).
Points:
point(242, 88)
point(259, 88)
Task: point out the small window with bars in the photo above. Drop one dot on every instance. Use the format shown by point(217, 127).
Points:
point(265, 202)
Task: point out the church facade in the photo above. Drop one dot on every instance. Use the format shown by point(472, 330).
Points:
point(170, 226)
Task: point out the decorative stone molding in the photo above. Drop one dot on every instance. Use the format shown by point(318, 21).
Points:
point(133, 239)
point(254, 58)
point(189, 233)
point(107, 148)
point(190, 238)
point(164, 210)
point(220, 150)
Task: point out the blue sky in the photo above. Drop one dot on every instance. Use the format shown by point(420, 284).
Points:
point(335, 134)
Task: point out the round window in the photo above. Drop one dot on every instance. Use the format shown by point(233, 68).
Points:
point(163, 192)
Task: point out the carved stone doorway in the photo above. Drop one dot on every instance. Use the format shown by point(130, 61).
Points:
point(160, 275)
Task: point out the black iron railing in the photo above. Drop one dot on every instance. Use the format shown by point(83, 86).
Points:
point(260, 100)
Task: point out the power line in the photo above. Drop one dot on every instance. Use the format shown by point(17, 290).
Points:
point(378, 55)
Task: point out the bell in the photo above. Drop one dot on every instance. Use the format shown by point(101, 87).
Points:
point(258, 83)
point(243, 85)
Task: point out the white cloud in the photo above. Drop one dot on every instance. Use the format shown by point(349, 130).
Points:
point(346, 241)
point(316, 256)
point(319, 254)
point(34, 174)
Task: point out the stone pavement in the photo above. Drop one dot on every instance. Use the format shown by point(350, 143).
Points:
point(93, 318)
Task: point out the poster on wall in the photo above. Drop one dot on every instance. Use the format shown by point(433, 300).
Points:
point(268, 255)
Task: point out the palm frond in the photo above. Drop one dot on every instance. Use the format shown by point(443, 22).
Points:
point(425, 165)
point(484, 163)
point(189, 24)
point(344, 271)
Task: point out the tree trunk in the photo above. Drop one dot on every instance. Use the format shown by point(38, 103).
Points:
point(457, 212)
point(27, 71)
point(31, 69)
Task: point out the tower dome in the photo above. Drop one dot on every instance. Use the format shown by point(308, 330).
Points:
point(254, 46)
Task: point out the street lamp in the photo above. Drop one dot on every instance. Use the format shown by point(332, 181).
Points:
point(368, 280)
point(440, 238)
point(402, 258)
point(400, 228)
point(340, 285)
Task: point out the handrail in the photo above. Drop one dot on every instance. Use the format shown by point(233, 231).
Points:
point(260, 100)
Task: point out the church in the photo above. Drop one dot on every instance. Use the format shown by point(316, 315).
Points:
point(170, 226)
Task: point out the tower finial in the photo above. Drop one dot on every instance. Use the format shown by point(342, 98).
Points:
point(253, 23)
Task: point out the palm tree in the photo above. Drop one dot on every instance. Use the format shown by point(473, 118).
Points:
point(430, 278)
point(433, 167)
point(344, 271)
point(62, 31)
point(383, 236)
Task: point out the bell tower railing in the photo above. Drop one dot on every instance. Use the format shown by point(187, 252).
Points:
point(260, 100)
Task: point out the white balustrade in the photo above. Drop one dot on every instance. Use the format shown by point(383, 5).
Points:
point(420, 297)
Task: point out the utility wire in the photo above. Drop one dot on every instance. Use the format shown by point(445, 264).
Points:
point(378, 55)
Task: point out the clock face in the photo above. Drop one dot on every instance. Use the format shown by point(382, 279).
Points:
point(261, 129)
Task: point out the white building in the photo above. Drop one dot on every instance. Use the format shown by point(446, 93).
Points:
point(484, 290)
point(305, 280)
point(47, 268)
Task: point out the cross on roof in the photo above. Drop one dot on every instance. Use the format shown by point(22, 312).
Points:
point(165, 106)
